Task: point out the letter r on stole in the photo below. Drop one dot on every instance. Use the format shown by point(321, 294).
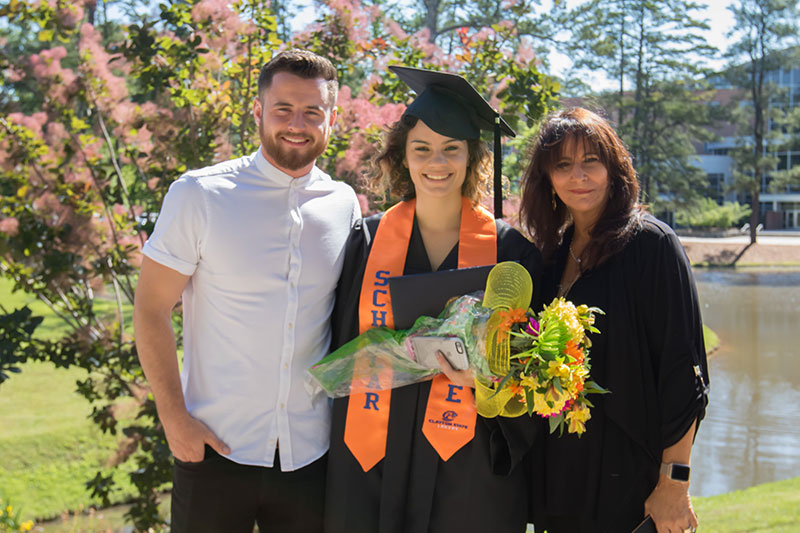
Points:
point(372, 399)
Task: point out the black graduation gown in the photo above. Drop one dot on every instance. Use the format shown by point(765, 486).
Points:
point(651, 338)
point(411, 489)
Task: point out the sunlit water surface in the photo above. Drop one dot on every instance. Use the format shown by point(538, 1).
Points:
point(751, 433)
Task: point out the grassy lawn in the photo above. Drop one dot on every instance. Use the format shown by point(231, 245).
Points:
point(48, 446)
point(773, 507)
point(711, 339)
point(52, 326)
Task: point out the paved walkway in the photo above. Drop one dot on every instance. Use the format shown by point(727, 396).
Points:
point(769, 250)
point(789, 239)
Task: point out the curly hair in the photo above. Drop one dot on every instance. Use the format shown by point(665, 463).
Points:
point(389, 175)
point(542, 212)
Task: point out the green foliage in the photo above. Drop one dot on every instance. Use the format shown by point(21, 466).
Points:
point(707, 214)
point(80, 180)
point(654, 51)
point(16, 333)
point(790, 127)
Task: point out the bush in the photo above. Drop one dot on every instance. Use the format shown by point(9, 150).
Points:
point(708, 214)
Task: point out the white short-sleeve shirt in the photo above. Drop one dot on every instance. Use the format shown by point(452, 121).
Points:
point(264, 252)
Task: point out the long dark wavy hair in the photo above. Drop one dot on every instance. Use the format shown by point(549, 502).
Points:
point(544, 215)
point(389, 174)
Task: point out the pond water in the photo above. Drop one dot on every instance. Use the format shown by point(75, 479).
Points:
point(751, 433)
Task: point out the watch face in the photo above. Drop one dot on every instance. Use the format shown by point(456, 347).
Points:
point(680, 472)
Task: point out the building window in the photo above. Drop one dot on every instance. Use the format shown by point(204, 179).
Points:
point(716, 182)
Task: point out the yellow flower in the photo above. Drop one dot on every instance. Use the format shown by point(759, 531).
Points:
point(9, 509)
point(577, 418)
point(558, 369)
point(549, 403)
point(577, 377)
point(528, 382)
point(567, 313)
point(26, 526)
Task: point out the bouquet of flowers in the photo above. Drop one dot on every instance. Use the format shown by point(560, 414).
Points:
point(522, 361)
point(538, 362)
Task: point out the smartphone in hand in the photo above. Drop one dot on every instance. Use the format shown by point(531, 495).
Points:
point(425, 349)
point(646, 526)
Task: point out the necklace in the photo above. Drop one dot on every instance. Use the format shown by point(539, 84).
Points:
point(564, 289)
point(572, 254)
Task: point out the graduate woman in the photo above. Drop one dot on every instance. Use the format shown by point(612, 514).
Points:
point(602, 249)
point(392, 469)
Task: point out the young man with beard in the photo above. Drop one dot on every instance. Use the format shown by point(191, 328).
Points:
point(255, 247)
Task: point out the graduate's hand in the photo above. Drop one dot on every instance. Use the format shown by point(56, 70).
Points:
point(465, 378)
point(188, 436)
point(671, 507)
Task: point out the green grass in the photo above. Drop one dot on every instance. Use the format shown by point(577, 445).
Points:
point(773, 507)
point(53, 327)
point(48, 446)
point(711, 339)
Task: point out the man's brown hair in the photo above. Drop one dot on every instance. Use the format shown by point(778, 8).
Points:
point(304, 64)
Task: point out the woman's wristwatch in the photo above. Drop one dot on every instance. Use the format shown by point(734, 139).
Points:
point(676, 471)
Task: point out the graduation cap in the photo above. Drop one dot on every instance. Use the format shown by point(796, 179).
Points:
point(449, 105)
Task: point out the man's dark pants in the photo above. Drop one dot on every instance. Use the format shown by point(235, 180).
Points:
point(218, 495)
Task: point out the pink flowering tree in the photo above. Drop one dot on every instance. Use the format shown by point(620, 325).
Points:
point(496, 59)
point(84, 174)
point(98, 121)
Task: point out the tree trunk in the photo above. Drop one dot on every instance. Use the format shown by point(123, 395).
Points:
point(621, 66)
point(754, 214)
point(432, 18)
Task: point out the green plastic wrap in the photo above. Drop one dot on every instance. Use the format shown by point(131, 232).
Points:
point(379, 349)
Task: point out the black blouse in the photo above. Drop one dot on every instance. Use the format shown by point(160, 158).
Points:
point(650, 355)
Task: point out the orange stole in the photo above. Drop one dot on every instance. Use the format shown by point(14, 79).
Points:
point(450, 414)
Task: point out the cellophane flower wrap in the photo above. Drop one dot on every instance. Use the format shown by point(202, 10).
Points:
point(380, 358)
point(523, 362)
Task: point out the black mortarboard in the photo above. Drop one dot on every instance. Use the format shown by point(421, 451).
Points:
point(449, 105)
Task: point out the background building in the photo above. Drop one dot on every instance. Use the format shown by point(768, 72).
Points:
point(778, 209)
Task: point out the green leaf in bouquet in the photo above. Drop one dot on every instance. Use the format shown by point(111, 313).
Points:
point(591, 387)
point(557, 385)
point(555, 423)
point(529, 401)
point(502, 384)
point(519, 341)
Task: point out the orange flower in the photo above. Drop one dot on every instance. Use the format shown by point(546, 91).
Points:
point(517, 389)
point(511, 317)
point(574, 351)
point(508, 319)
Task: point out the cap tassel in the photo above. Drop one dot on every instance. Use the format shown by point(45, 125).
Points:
point(498, 171)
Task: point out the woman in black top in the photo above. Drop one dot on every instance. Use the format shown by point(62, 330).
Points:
point(601, 249)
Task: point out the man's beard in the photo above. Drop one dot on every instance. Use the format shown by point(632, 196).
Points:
point(289, 158)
